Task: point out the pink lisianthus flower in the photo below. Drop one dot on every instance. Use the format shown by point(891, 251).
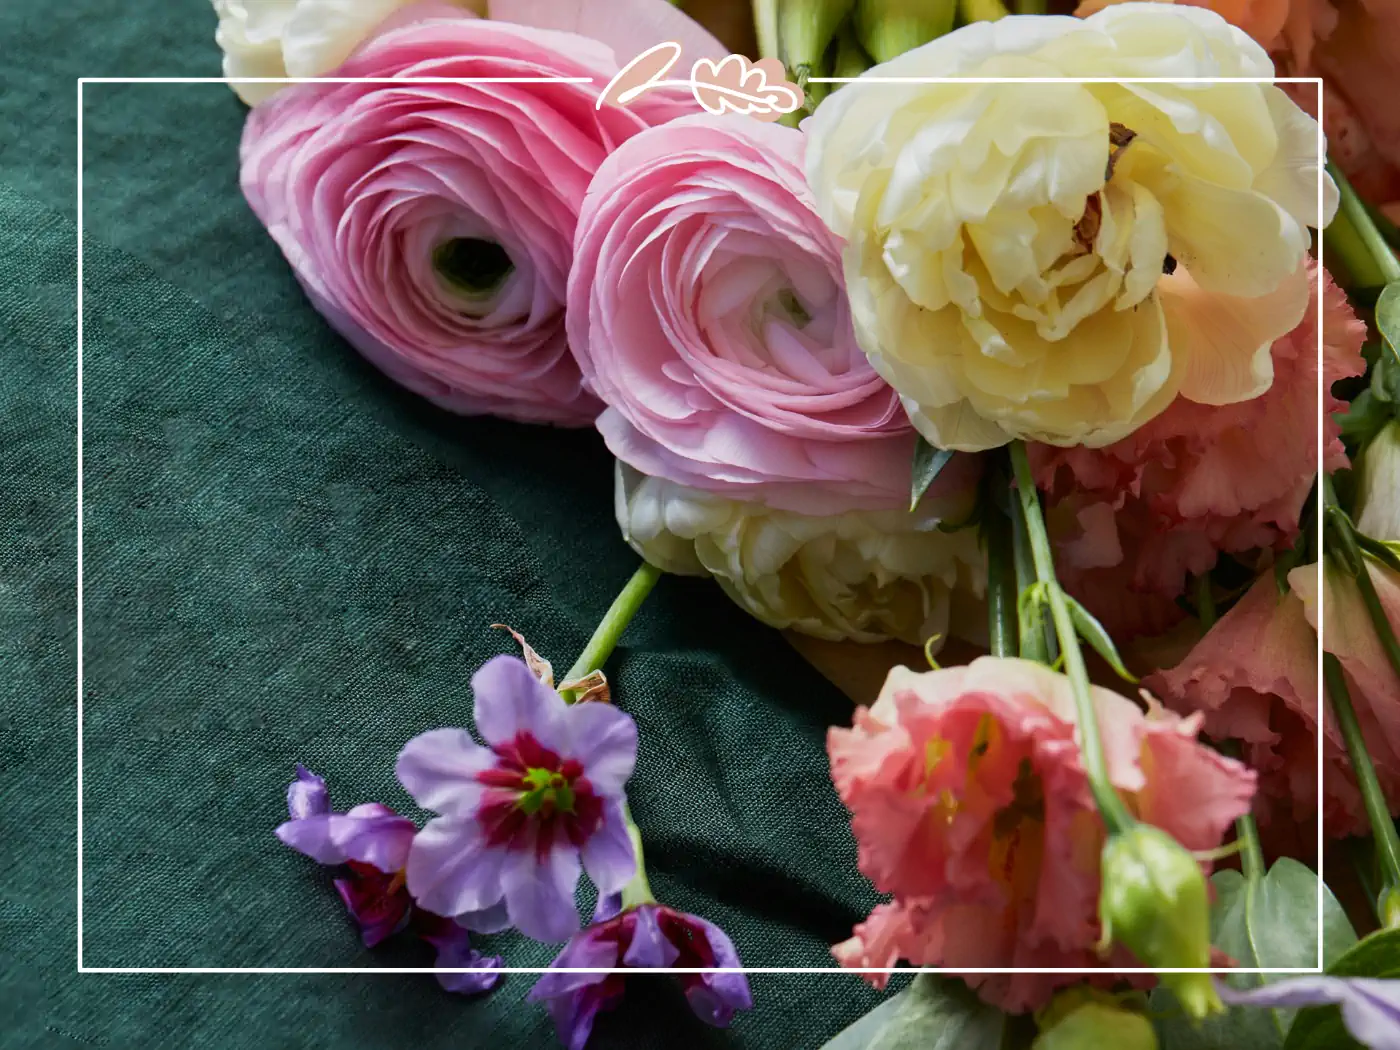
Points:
point(432, 223)
point(970, 805)
point(1132, 521)
point(707, 309)
point(1254, 677)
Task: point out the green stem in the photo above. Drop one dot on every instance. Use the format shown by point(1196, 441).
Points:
point(1115, 814)
point(1205, 601)
point(1030, 7)
point(594, 655)
point(1001, 584)
point(1387, 841)
point(1032, 633)
point(1353, 212)
point(614, 622)
point(638, 891)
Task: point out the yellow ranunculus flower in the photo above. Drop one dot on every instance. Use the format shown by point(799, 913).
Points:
point(1057, 261)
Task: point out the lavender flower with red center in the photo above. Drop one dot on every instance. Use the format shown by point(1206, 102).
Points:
point(523, 815)
point(648, 935)
point(372, 842)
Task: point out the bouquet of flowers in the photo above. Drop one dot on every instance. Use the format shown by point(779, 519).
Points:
point(929, 332)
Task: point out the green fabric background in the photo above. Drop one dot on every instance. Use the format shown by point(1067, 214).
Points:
point(289, 559)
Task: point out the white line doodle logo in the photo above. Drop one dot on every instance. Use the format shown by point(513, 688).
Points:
point(732, 85)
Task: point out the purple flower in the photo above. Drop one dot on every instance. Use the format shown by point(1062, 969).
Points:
point(522, 816)
point(372, 843)
point(648, 935)
point(1370, 1006)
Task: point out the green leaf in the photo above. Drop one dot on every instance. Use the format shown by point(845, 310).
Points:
point(933, 1013)
point(1321, 1027)
point(1388, 316)
point(1385, 377)
point(1099, 640)
point(1270, 924)
point(928, 464)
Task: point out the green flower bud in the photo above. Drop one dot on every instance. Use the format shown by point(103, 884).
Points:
point(1154, 901)
point(1087, 1019)
point(806, 29)
point(888, 28)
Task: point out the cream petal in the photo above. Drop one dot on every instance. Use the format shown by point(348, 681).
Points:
point(1223, 342)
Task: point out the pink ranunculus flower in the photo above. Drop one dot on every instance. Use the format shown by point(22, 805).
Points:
point(432, 224)
point(707, 310)
point(1254, 676)
point(970, 805)
point(1134, 520)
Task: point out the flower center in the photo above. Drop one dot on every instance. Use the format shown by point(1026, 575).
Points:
point(545, 791)
point(472, 265)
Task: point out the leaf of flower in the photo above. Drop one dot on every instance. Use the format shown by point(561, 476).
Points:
point(1098, 638)
point(1271, 924)
point(928, 464)
point(1321, 1027)
point(1388, 317)
point(933, 1013)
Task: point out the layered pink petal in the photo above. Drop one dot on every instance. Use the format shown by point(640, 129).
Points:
point(970, 804)
point(706, 308)
point(364, 184)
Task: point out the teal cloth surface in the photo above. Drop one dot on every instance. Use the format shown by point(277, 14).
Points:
point(287, 558)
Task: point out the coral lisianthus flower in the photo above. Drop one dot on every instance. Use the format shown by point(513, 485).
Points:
point(649, 935)
point(1051, 261)
point(372, 842)
point(970, 805)
point(521, 816)
point(1132, 521)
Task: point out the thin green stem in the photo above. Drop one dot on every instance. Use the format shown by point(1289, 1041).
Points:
point(1032, 631)
point(594, 655)
point(1353, 212)
point(614, 622)
point(1030, 7)
point(1205, 601)
point(638, 891)
point(982, 10)
point(1387, 841)
point(1002, 629)
point(1115, 814)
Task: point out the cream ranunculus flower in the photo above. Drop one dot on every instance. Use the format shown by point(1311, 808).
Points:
point(297, 38)
point(862, 576)
point(1057, 261)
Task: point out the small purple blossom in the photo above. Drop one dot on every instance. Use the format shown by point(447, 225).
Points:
point(522, 816)
point(1370, 1006)
point(650, 935)
point(371, 842)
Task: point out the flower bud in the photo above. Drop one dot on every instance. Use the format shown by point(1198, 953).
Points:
point(888, 28)
point(1086, 1019)
point(806, 29)
point(1378, 486)
point(1154, 901)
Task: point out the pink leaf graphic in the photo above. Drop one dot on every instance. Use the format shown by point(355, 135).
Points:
point(735, 85)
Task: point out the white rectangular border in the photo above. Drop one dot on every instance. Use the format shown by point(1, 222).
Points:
point(1322, 397)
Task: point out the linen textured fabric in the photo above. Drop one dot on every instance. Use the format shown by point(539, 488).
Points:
point(289, 559)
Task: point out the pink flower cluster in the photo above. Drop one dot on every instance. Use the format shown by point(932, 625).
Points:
point(1135, 520)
